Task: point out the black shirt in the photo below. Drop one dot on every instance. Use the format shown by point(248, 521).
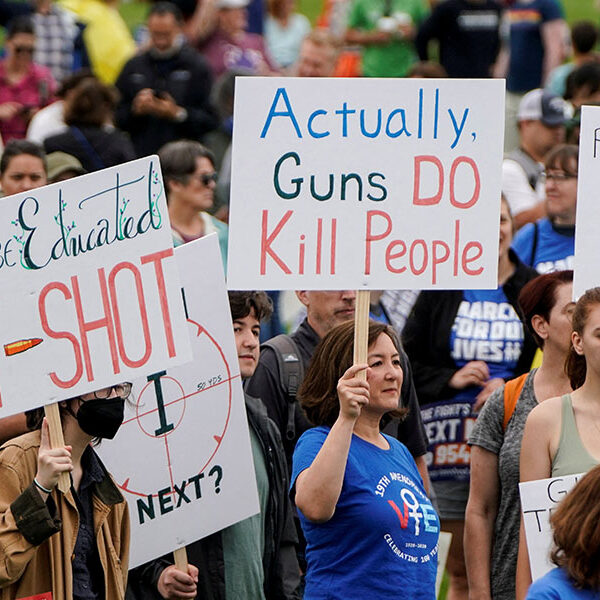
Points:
point(468, 34)
point(88, 575)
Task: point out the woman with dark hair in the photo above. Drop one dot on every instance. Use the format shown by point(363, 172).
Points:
point(71, 545)
point(90, 135)
point(463, 345)
point(371, 531)
point(22, 167)
point(190, 178)
point(493, 511)
point(549, 243)
point(25, 86)
point(576, 546)
point(561, 434)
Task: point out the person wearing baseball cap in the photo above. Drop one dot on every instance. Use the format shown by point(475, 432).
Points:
point(541, 119)
point(62, 166)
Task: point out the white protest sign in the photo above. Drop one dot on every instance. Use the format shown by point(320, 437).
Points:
point(182, 456)
point(365, 183)
point(90, 288)
point(587, 252)
point(538, 499)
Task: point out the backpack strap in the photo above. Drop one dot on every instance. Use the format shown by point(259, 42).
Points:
point(532, 168)
point(291, 374)
point(534, 243)
point(512, 391)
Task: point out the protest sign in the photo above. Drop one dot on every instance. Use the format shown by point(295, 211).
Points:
point(585, 267)
point(538, 499)
point(91, 292)
point(365, 183)
point(182, 457)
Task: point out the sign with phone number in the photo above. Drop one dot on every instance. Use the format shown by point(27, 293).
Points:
point(448, 426)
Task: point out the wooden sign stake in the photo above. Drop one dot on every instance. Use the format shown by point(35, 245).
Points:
point(361, 329)
point(57, 441)
point(181, 559)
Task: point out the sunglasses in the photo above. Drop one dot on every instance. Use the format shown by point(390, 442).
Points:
point(206, 178)
point(24, 49)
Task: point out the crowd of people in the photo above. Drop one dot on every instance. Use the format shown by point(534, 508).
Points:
point(464, 393)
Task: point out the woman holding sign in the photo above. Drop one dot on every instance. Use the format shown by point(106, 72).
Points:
point(371, 531)
point(562, 434)
point(463, 345)
point(64, 546)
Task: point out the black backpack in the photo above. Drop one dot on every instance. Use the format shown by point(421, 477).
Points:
point(291, 373)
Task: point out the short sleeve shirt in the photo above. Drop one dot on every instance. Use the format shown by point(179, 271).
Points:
point(489, 434)
point(553, 251)
point(394, 58)
point(382, 539)
point(526, 19)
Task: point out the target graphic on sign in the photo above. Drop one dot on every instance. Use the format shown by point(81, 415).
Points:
point(183, 457)
point(192, 402)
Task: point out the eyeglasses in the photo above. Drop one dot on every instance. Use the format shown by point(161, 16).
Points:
point(123, 390)
point(24, 49)
point(556, 177)
point(206, 178)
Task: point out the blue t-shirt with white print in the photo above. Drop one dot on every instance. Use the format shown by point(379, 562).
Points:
point(381, 542)
point(553, 251)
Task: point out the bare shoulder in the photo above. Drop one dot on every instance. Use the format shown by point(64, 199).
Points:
point(547, 412)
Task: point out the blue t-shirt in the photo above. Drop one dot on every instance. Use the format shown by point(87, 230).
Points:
point(381, 542)
point(526, 47)
point(554, 249)
point(486, 328)
point(556, 585)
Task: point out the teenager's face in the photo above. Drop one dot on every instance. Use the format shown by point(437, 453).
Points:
point(247, 331)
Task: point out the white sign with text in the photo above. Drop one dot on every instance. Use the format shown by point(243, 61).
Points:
point(182, 457)
point(585, 270)
point(90, 288)
point(365, 183)
point(538, 499)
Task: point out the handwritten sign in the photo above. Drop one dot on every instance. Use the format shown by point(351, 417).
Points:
point(538, 500)
point(365, 183)
point(182, 457)
point(90, 288)
point(588, 219)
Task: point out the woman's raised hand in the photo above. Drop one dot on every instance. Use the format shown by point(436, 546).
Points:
point(353, 393)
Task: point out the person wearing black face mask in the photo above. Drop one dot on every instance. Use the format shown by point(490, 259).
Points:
point(74, 545)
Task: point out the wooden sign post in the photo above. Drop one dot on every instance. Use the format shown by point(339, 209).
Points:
point(361, 329)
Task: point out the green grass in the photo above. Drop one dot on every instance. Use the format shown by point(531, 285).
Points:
point(582, 9)
point(134, 11)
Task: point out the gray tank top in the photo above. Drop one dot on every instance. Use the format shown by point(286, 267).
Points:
point(571, 456)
